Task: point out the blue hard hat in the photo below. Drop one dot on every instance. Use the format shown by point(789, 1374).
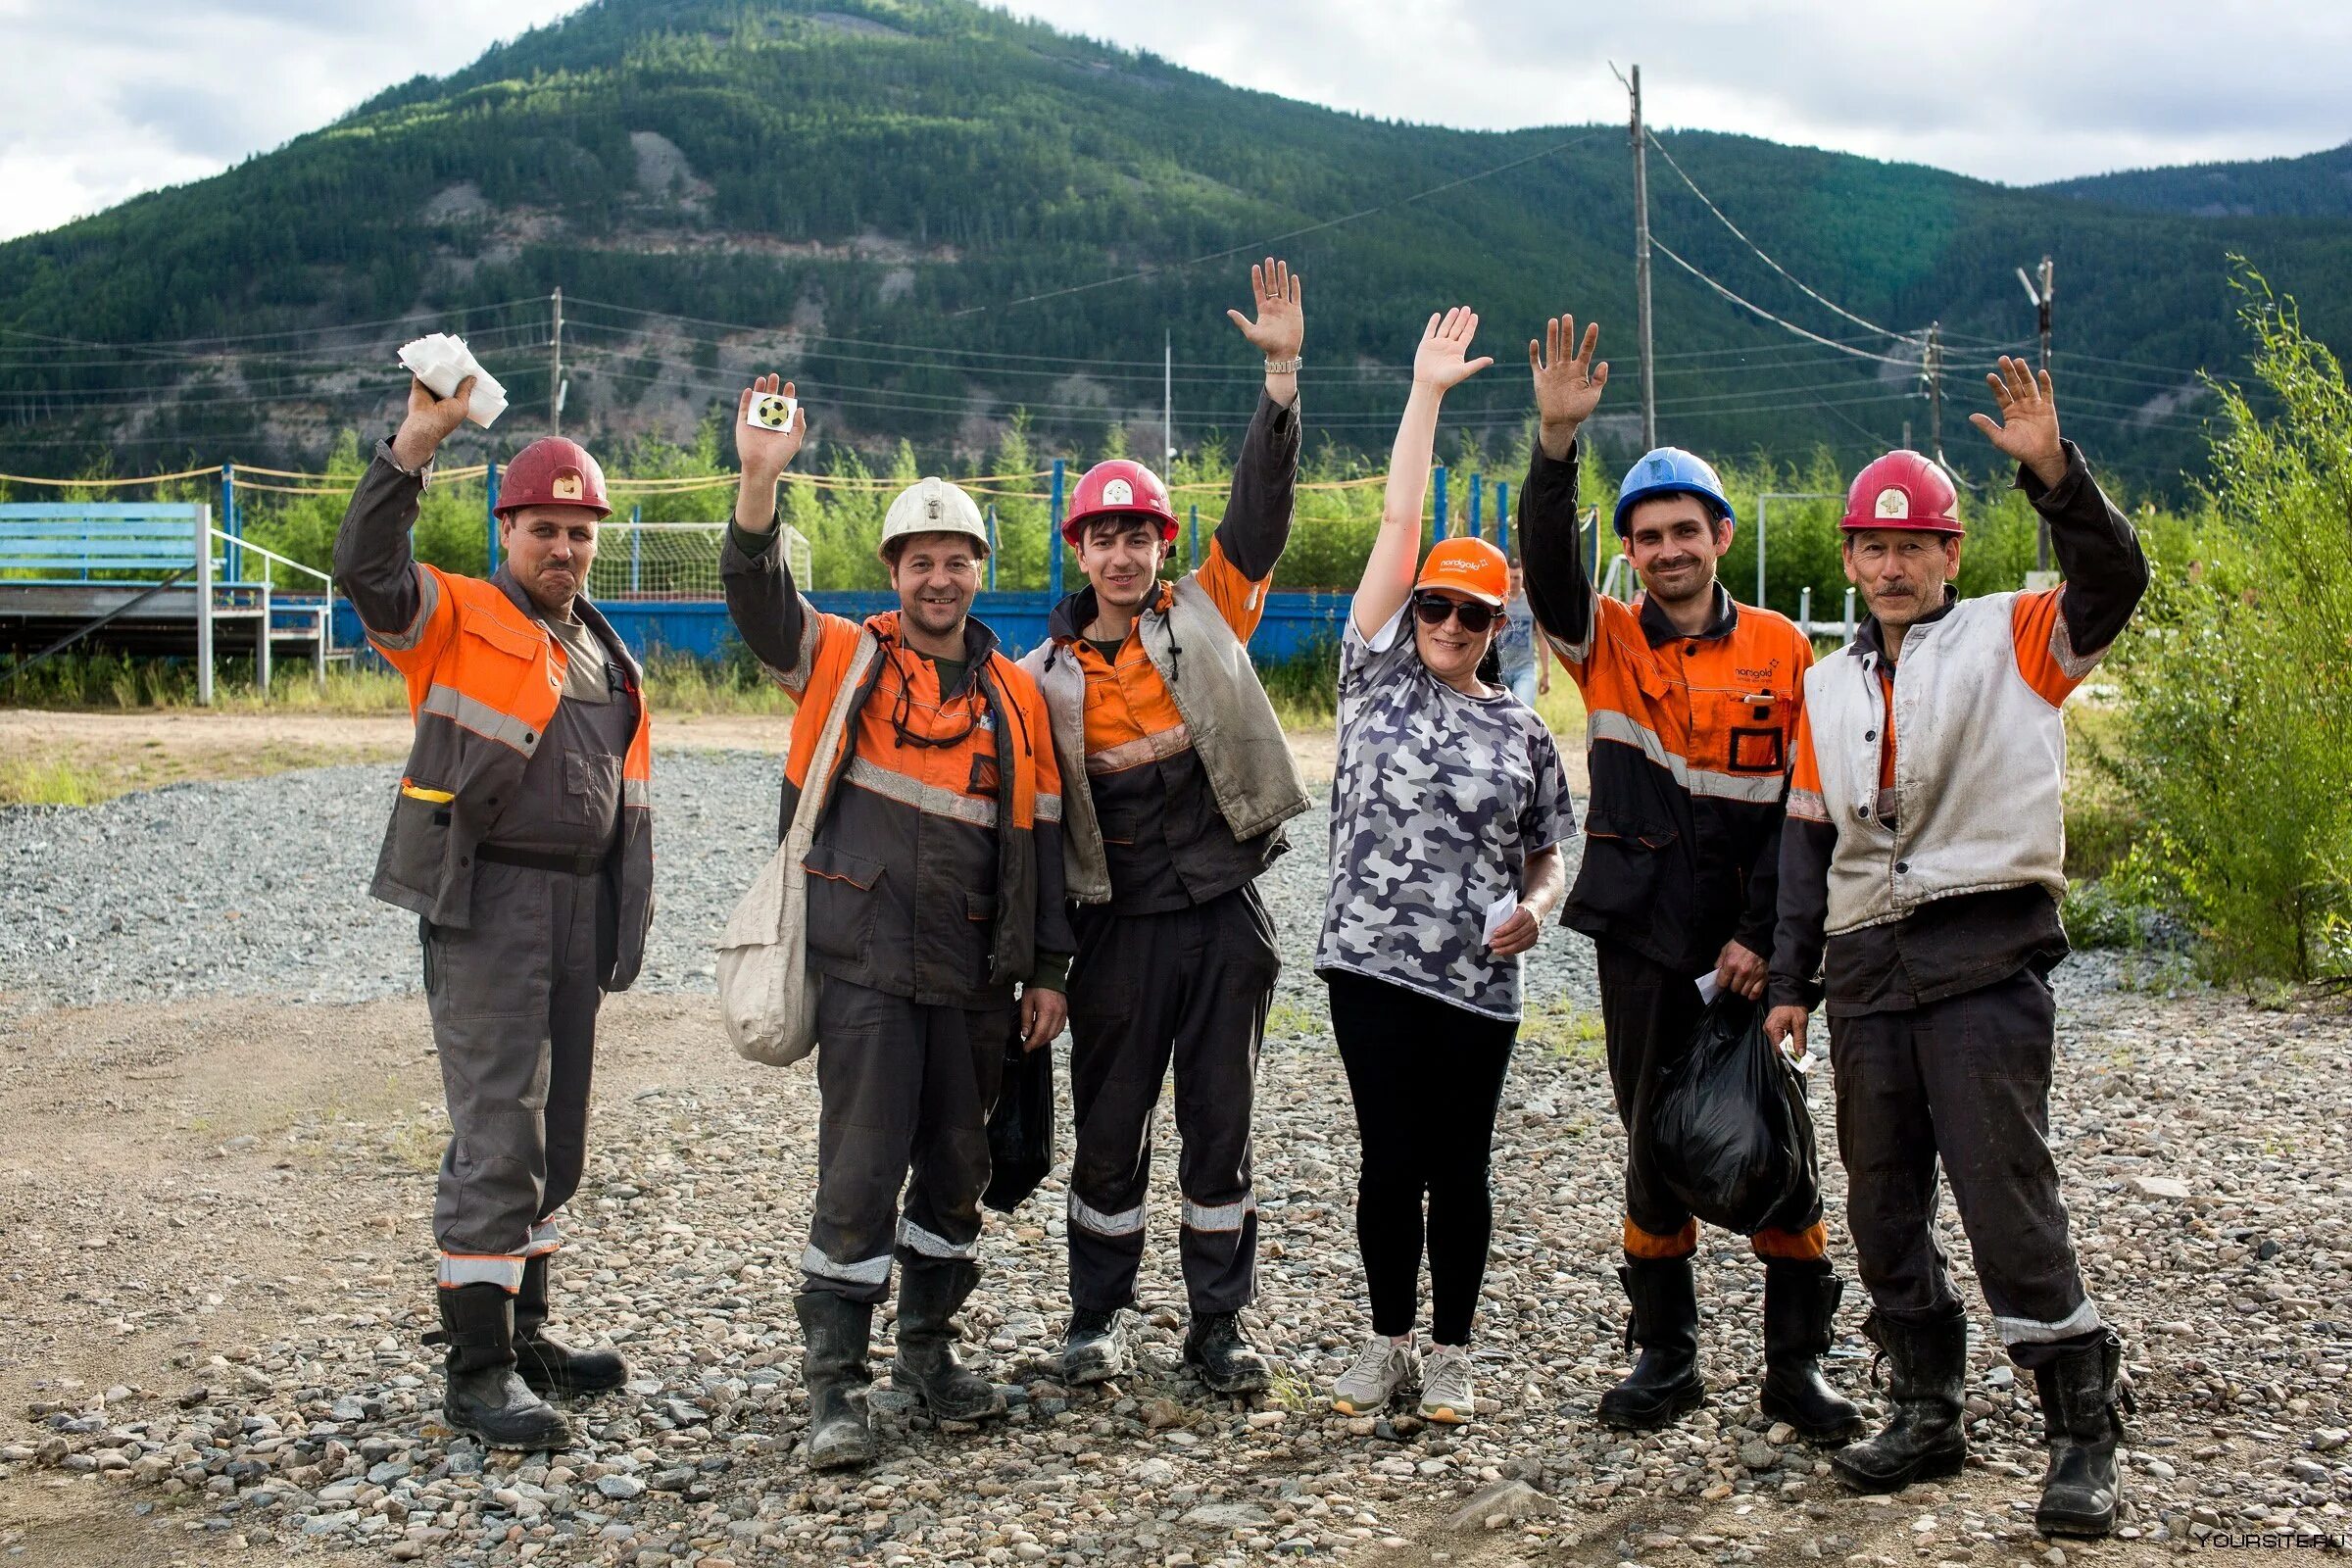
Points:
point(1671, 472)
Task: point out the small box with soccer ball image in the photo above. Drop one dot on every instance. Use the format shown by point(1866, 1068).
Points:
point(770, 411)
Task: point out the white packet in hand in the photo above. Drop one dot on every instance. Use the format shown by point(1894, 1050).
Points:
point(441, 362)
point(1499, 916)
point(1708, 988)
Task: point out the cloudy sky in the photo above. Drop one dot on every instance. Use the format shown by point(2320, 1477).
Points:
point(103, 99)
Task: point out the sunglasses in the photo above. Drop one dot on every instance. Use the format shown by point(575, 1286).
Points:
point(1431, 610)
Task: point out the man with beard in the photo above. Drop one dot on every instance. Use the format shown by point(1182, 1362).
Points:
point(522, 838)
point(1689, 701)
point(934, 889)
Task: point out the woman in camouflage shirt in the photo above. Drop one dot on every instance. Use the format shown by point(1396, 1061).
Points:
point(1447, 808)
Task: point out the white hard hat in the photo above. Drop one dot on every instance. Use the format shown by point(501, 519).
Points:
point(931, 504)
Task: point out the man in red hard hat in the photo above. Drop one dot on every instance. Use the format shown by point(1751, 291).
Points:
point(1922, 886)
point(1176, 781)
point(522, 838)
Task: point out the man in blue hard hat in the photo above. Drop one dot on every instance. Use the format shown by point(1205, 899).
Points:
point(1690, 701)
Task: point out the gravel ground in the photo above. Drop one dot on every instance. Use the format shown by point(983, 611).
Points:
point(2203, 1144)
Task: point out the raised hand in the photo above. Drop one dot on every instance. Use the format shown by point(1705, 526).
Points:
point(430, 421)
point(764, 453)
point(1568, 385)
point(2028, 429)
point(1281, 326)
point(1441, 360)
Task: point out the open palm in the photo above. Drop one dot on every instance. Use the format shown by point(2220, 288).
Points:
point(1281, 326)
point(1443, 360)
point(1568, 385)
point(759, 449)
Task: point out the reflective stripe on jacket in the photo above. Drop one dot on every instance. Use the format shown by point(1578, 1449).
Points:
point(483, 678)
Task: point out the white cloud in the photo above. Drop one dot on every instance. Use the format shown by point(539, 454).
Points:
point(99, 102)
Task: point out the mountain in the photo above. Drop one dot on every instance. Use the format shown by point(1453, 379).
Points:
point(933, 214)
point(2315, 185)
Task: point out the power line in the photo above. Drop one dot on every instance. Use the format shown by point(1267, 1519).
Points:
point(1748, 305)
point(1312, 229)
point(1807, 290)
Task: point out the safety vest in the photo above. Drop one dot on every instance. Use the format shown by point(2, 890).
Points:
point(937, 862)
point(483, 678)
point(1971, 801)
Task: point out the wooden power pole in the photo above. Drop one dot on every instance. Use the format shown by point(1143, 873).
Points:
point(1649, 382)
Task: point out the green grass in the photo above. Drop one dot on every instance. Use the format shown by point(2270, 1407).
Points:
point(48, 782)
point(1565, 1029)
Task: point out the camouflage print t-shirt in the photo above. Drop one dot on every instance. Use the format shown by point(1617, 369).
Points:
point(1435, 804)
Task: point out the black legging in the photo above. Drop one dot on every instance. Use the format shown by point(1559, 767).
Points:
point(1427, 1079)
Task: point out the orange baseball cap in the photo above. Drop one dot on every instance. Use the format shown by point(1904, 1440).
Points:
point(1471, 567)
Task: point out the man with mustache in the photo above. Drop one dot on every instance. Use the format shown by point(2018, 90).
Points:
point(1921, 885)
point(522, 838)
point(1689, 701)
point(934, 890)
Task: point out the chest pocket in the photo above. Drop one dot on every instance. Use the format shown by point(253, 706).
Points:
point(502, 659)
point(590, 789)
point(1755, 729)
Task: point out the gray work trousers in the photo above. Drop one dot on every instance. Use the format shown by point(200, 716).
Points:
point(1964, 1081)
point(905, 1086)
point(513, 999)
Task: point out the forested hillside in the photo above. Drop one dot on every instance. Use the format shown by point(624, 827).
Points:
point(934, 216)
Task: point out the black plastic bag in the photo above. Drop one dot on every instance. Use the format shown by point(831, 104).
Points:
point(1020, 1129)
point(1733, 1137)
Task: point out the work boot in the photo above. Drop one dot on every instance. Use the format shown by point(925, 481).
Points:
point(930, 1290)
point(1664, 1383)
point(1095, 1349)
point(548, 1366)
point(486, 1396)
point(834, 1336)
point(1927, 1354)
point(1218, 1348)
point(1800, 1303)
point(2082, 1401)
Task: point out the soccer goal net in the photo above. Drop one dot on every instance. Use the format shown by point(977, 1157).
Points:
point(674, 560)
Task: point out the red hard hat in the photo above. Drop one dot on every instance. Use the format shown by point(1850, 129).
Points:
point(1119, 488)
point(552, 472)
point(1903, 490)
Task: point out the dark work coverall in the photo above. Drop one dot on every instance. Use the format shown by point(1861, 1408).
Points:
point(513, 987)
point(1178, 968)
point(921, 881)
point(1942, 1023)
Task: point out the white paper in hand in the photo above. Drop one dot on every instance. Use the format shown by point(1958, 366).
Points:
point(1499, 916)
point(441, 362)
point(770, 411)
point(1708, 988)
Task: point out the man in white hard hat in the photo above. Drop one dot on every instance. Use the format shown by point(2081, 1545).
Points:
point(935, 887)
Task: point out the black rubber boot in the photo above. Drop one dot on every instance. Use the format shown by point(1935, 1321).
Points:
point(930, 1291)
point(1095, 1349)
point(548, 1366)
point(1664, 1382)
point(486, 1396)
point(1219, 1349)
point(835, 1333)
point(1800, 1308)
point(1928, 1358)
point(2081, 1412)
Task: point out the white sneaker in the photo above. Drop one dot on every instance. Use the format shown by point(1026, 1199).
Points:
point(1445, 1395)
point(1381, 1368)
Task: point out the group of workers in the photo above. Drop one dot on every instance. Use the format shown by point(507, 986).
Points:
point(1002, 847)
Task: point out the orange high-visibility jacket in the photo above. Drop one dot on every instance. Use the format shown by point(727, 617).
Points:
point(484, 678)
point(1687, 745)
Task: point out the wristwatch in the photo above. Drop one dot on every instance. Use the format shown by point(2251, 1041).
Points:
point(1288, 367)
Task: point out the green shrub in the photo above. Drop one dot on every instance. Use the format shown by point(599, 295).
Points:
point(2239, 683)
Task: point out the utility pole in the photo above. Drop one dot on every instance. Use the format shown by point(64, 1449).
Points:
point(555, 374)
point(2041, 307)
point(1649, 384)
point(1930, 369)
point(1167, 399)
